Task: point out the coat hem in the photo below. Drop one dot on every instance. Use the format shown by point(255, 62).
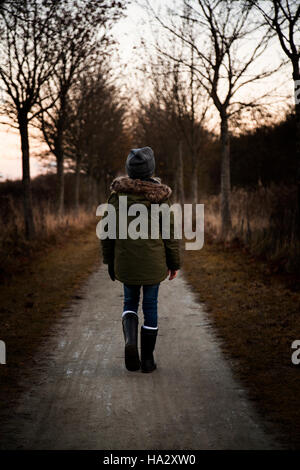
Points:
point(142, 283)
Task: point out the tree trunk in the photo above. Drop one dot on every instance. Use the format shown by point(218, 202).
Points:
point(296, 77)
point(180, 179)
point(175, 187)
point(297, 225)
point(60, 183)
point(59, 153)
point(194, 181)
point(27, 199)
point(77, 183)
point(101, 188)
point(95, 191)
point(225, 179)
point(92, 190)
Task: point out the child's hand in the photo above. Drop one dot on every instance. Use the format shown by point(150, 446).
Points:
point(173, 274)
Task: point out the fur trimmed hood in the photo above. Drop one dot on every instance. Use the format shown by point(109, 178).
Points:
point(154, 192)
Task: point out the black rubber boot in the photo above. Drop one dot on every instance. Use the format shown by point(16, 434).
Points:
point(148, 340)
point(130, 329)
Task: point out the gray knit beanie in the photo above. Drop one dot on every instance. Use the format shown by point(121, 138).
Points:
point(140, 163)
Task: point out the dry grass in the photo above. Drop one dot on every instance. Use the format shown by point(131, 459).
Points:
point(263, 220)
point(50, 229)
point(256, 314)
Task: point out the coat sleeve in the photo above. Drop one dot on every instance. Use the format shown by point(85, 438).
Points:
point(172, 247)
point(108, 245)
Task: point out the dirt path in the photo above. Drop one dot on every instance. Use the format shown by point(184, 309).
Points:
point(82, 397)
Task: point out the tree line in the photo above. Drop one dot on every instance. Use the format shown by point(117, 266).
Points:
point(56, 69)
point(211, 54)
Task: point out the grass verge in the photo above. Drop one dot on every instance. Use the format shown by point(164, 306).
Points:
point(33, 296)
point(256, 315)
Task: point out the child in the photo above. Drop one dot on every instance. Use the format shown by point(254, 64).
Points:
point(140, 262)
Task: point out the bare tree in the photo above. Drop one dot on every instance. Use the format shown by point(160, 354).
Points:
point(283, 17)
point(191, 106)
point(188, 111)
point(96, 136)
point(28, 53)
point(82, 36)
point(179, 106)
point(227, 43)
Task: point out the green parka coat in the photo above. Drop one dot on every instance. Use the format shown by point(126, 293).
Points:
point(141, 261)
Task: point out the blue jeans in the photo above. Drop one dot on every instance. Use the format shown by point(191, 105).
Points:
point(150, 295)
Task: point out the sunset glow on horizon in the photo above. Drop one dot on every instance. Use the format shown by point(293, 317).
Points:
point(11, 158)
